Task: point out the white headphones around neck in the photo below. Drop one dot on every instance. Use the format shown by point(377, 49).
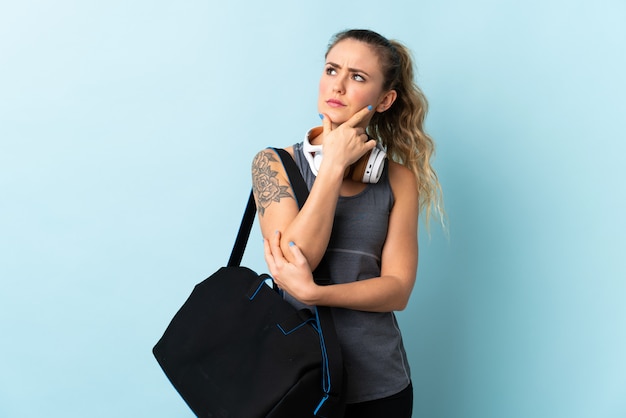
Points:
point(368, 169)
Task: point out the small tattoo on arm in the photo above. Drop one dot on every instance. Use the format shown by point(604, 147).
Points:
point(265, 183)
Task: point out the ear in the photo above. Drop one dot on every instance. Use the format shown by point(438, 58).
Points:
point(386, 101)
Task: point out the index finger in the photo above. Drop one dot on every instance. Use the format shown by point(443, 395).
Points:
point(358, 116)
point(269, 257)
point(274, 242)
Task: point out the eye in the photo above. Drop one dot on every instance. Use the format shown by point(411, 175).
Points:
point(358, 77)
point(330, 71)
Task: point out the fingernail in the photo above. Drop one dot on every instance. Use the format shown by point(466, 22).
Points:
point(321, 116)
point(369, 107)
point(291, 243)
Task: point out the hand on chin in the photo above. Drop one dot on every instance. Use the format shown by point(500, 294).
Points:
point(338, 116)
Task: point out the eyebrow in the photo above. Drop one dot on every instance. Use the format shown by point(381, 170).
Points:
point(352, 70)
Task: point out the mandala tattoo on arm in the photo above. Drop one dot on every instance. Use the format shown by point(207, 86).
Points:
point(265, 183)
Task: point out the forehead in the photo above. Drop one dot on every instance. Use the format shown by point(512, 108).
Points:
point(354, 54)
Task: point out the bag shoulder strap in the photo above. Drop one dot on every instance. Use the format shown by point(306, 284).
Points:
point(244, 233)
point(298, 184)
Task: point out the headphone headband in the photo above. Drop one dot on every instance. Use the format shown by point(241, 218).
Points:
point(313, 153)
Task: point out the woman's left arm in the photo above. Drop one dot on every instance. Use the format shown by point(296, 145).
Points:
point(390, 291)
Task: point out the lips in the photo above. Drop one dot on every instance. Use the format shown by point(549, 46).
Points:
point(334, 103)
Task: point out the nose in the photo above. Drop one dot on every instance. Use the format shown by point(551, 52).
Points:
point(339, 86)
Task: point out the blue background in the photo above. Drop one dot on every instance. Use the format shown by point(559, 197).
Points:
point(126, 135)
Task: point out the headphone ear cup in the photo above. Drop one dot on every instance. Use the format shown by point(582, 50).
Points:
point(369, 167)
point(357, 170)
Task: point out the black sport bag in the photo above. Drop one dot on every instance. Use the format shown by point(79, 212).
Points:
point(237, 349)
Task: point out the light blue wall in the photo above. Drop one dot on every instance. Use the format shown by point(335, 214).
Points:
point(126, 135)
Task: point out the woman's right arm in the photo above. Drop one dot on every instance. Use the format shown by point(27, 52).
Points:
point(310, 227)
point(278, 209)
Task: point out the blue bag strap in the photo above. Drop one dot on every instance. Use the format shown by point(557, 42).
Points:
point(332, 360)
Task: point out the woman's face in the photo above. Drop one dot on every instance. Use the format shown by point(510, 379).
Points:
point(352, 79)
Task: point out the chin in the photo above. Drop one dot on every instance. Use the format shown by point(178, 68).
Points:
point(337, 116)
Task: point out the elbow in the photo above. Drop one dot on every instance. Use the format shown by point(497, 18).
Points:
point(401, 305)
point(312, 259)
point(394, 303)
point(401, 301)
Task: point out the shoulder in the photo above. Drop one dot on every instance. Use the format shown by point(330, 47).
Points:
point(402, 179)
point(404, 189)
point(268, 155)
point(268, 169)
point(270, 182)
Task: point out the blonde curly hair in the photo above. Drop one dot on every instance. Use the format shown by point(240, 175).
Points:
point(400, 129)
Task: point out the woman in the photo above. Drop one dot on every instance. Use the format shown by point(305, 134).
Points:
point(366, 231)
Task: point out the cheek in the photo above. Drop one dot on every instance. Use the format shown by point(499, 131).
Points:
point(323, 85)
point(322, 93)
point(364, 96)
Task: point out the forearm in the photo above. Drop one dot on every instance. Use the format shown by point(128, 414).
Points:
point(389, 292)
point(379, 294)
point(312, 226)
